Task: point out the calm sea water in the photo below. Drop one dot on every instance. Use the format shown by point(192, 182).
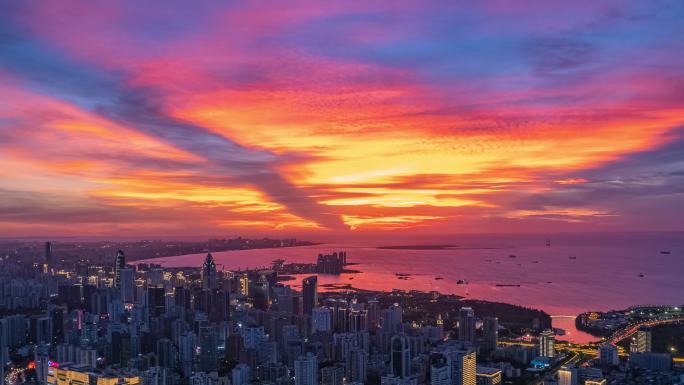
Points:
point(576, 273)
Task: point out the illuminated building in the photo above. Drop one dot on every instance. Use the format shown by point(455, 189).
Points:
point(547, 343)
point(568, 376)
point(463, 366)
point(244, 285)
point(600, 381)
point(641, 342)
point(80, 375)
point(488, 376)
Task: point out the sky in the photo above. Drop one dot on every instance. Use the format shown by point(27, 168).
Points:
point(314, 117)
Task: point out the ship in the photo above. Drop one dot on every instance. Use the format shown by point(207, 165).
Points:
point(506, 285)
point(666, 252)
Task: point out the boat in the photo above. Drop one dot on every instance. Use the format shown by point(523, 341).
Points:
point(572, 257)
point(438, 278)
point(535, 261)
point(548, 242)
point(506, 285)
point(640, 276)
point(512, 256)
point(666, 252)
point(461, 282)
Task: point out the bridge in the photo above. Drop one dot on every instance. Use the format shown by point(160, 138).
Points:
point(623, 334)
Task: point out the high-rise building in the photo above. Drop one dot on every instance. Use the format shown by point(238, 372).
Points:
point(491, 333)
point(208, 342)
point(310, 293)
point(241, 374)
point(466, 324)
point(568, 376)
point(41, 361)
point(400, 356)
point(547, 343)
point(357, 363)
point(119, 264)
point(391, 319)
point(373, 314)
point(641, 342)
point(260, 294)
point(127, 288)
point(463, 366)
point(209, 275)
point(358, 321)
point(306, 370)
point(156, 300)
point(47, 265)
point(321, 319)
point(608, 355)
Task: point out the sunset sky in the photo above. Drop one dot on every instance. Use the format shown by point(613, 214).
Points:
point(151, 118)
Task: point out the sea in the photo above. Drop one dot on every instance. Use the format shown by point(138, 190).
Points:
point(562, 274)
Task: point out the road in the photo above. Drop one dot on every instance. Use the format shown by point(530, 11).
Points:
point(626, 333)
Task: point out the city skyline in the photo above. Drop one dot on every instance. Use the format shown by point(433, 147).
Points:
point(127, 119)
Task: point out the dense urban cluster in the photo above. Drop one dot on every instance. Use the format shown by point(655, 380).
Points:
point(144, 324)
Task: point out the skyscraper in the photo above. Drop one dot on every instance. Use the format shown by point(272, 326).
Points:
point(208, 341)
point(310, 293)
point(547, 343)
point(156, 301)
point(127, 286)
point(119, 264)
point(357, 363)
point(400, 356)
point(260, 294)
point(321, 319)
point(306, 370)
point(209, 279)
point(466, 324)
point(491, 333)
point(48, 257)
